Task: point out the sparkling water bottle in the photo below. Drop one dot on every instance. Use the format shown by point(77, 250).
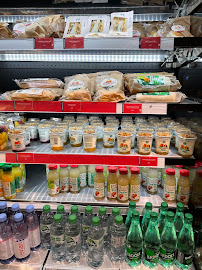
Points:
point(75, 211)
point(146, 218)
point(118, 239)
point(86, 223)
point(57, 234)
point(73, 239)
point(32, 221)
point(21, 242)
point(95, 244)
point(3, 208)
point(179, 218)
point(104, 224)
point(132, 206)
point(148, 205)
point(46, 219)
point(162, 216)
point(15, 208)
point(61, 211)
point(6, 241)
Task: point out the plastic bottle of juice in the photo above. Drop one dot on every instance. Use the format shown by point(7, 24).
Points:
point(145, 170)
point(105, 174)
point(8, 182)
point(152, 181)
point(91, 175)
point(159, 176)
point(17, 173)
point(53, 181)
point(134, 181)
point(183, 187)
point(83, 175)
point(197, 189)
point(74, 180)
point(99, 183)
point(64, 178)
point(1, 173)
point(123, 185)
point(163, 175)
point(169, 186)
point(177, 168)
point(112, 182)
point(22, 167)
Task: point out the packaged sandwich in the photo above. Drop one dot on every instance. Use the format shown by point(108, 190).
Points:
point(39, 83)
point(98, 26)
point(151, 82)
point(161, 97)
point(75, 26)
point(109, 86)
point(5, 31)
point(196, 26)
point(138, 30)
point(121, 24)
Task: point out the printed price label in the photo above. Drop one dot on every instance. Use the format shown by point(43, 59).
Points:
point(150, 43)
point(71, 106)
point(44, 43)
point(132, 108)
point(74, 43)
point(148, 161)
point(23, 106)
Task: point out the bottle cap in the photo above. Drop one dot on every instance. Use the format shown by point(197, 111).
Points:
point(99, 168)
point(7, 168)
point(119, 220)
point(188, 217)
point(52, 167)
point(72, 218)
point(18, 217)
point(120, 167)
point(170, 171)
point(96, 221)
point(57, 218)
point(170, 215)
point(74, 209)
point(199, 172)
point(164, 206)
point(29, 208)
point(112, 169)
point(194, 167)
point(148, 206)
point(102, 210)
point(60, 209)
point(15, 165)
point(15, 207)
point(132, 205)
point(3, 217)
point(88, 209)
point(154, 215)
point(178, 166)
point(123, 171)
point(115, 211)
point(180, 206)
point(184, 172)
point(134, 170)
point(135, 214)
point(63, 166)
point(46, 208)
point(3, 205)
point(74, 166)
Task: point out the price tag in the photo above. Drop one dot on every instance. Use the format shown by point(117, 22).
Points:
point(25, 157)
point(148, 161)
point(132, 108)
point(44, 43)
point(23, 106)
point(98, 107)
point(71, 106)
point(74, 43)
point(150, 43)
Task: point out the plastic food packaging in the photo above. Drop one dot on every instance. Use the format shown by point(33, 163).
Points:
point(97, 26)
point(131, 129)
point(3, 135)
point(153, 29)
point(121, 24)
point(39, 83)
point(144, 142)
point(27, 131)
point(17, 137)
point(158, 97)
point(44, 132)
point(75, 26)
point(4, 31)
point(33, 130)
point(196, 29)
point(186, 143)
point(138, 30)
point(75, 135)
point(124, 142)
point(89, 139)
point(57, 137)
point(162, 140)
point(109, 137)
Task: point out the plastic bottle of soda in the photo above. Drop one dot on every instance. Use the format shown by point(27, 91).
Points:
point(179, 218)
point(132, 206)
point(146, 218)
point(162, 216)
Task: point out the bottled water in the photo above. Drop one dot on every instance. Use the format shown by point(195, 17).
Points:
point(104, 224)
point(146, 218)
point(15, 208)
point(95, 244)
point(86, 223)
point(46, 219)
point(61, 211)
point(179, 218)
point(32, 221)
point(73, 239)
point(118, 239)
point(6, 241)
point(148, 205)
point(21, 242)
point(75, 211)
point(132, 206)
point(3, 208)
point(115, 212)
point(162, 216)
point(57, 234)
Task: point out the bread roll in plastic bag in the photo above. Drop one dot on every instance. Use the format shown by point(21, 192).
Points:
point(39, 83)
point(160, 97)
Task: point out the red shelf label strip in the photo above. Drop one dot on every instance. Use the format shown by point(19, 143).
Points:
point(6, 105)
point(148, 161)
point(132, 108)
point(150, 43)
point(44, 43)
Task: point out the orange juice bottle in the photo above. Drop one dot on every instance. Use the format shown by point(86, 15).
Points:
point(169, 186)
point(123, 185)
point(99, 183)
point(112, 182)
point(8, 182)
point(134, 184)
point(17, 173)
point(183, 187)
point(1, 173)
point(22, 166)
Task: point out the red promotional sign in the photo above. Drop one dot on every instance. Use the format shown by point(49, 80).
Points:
point(74, 43)
point(44, 43)
point(98, 107)
point(25, 157)
point(132, 108)
point(150, 43)
point(148, 161)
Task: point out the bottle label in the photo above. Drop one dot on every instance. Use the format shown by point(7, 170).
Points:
point(109, 139)
point(64, 184)
point(1, 188)
point(53, 187)
point(91, 177)
point(134, 192)
point(123, 193)
point(167, 257)
point(96, 242)
point(72, 240)
point(118, 242)
point(34, 237)
point(183, 194)
point(74, 184)
point(144, 179)
point(45, 228)
point(162, 180)
point(6, 249)
point(132, 255)
point(169, 193)
point(58, 239)
point(8, 188)
point(99, 190)
point(151, 256)
point(83, 179)
point(56, 140)
point(159, 178)
point(112, 191)
point(183, 258)
point(152, 184)
point(24, 177)
point(18, 183)
point(21, 247)
point(144, 145)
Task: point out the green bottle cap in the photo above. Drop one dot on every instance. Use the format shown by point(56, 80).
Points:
point(154, 215)
point(115, 211)
point(148, 206)
point(132, 204)
point(60, 209)
point(180, 206)
point(7, 168)
point(72, 219)
point(88, 209)
point(164, 206)
point(1, 165)
point(15, 165)
point(170, 215)
point(46, 208)
point(96, 221)
point(188, 217)
point(135, 214)
point(57, 218)
point(102, 210)
point(74, 209)
point(119, 220)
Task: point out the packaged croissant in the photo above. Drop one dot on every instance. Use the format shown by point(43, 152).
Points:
point(5, 31)
point(109, 86)
point(153, 29)
point(138, 30)
point(161, 97)
point(98, 26)
point(121, 24)
point(75, 26)
point(151, 82)
point(39, 83)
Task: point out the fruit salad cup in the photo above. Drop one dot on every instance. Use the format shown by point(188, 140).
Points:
point(144, 141)
point(75, 135)
point(89, 139)
point(186, 143)
point(3, 135)
point(44, 132)
point(17, 137)
point(162, 141)
point(57, 137)
point(109, 137)
point(124, 139)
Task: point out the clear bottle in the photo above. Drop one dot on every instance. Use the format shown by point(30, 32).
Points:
point(3, 208)
point(192, 176)
point(99, 183)
point(163, 175)
point(112, 182)
point(147, 206)
point(17, 173)
point(21, 243)
point(1, 173)
point(95, 244)
point(146, 218)
point(132, 206)
point(104, 224)
point(152, 181)
point(145, 170)
point(74, 180)
point(46, 219)
point(152, 242)
point(8, 182)
point(15, 208)
point(177, 171)
point(83, 175)
point(53, 181)
point(118, 239)
point(115, 212)
point(73, 240)
point(168, 242)
point(134, 242)
point(179, 218)
point(86, 223)
point(159, 176)
point(23, 169)
point(91, 175)
point(75, 211)
point(169, 186)
point(162, 216)
point(61, 211)
point(57, 235)
point(123, 185)
point(185, 244)
point(6, 241)
point(32, 221)
point(64, 178)
point(197, 189)
point(183, 187)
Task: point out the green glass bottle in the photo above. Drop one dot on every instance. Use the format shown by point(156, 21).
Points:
point(132, 206)
point(134, 242)
point(152, 242)
point(146, 218)
point(179, 218)
point(162, 216)
point(168, 242)
point(185, 244)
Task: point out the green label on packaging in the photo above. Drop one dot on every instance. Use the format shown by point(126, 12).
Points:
point(133, 255)
point(150, 80)
point(151, 256)
point(167, 256)
point(17, 182)
point(156, 94)
point(9, 188)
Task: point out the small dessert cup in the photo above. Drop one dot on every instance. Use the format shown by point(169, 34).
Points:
point(144, 142)
point(124, 139)
point(109, 137)
point(186, 144)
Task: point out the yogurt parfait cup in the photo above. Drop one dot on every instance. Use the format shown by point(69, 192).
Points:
point(27, 131)
point(186, 143)
point(109, 137)
point(17, 137)
point(44, 132)
point(100, 127)
point(124, 139)
point(75, 135)
point(89, 139)
point(33, 130)
point(131, 129)
point(3, 135)
point(162, 141)
point(57, 137)
point(144, 142)
point(177, 132)
point(66, 131)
